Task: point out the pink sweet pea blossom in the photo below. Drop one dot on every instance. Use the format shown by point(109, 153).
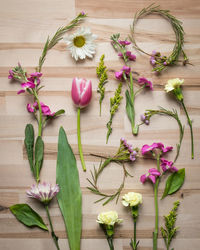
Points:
point(146, 82)
point(153, 173)
point(146, 148)
point(35, 77)
point(125, 69)
point(81, 92)
point(124, 42)
point(167, 165)
point(26, 85)
point(130, 56)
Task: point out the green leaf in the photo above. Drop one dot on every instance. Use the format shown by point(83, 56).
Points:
point(129, 107)
point(174, 182)
point(69, 197)
point(26, 215)
point(39, 154)
point(29, 144)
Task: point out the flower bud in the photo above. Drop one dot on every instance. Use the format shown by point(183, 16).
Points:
point(81, 92)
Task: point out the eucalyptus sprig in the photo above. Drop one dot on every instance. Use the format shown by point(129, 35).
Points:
point(114, 105)
point(103, 77)
point(50, 43)
point(172, 113)
point(169, 232)
point(161, 62)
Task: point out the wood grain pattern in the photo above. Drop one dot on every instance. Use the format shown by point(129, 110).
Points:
point(24, 27)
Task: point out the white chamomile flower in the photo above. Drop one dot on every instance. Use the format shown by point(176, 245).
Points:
point(81, 43)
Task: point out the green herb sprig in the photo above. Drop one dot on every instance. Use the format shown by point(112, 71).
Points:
point(103, 77)
point(162, 62)
point(162, 111)
point(50, 43)
point(114, 105)
point(169, 232)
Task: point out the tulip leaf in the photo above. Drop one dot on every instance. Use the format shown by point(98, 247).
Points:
point(27, 216)
point(174, 182)
point(69, 197)
point(29, 144)
point(39, 154)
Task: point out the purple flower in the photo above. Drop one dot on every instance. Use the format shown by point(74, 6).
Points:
point(44, 192)
point(128, 149)
point(167, 165)
point(125, 69)
point(146, 82)
point(130, 56)
point(11, 74)
point(152, 61)
point(144, 119)
point(26, 85)
point(124, 42)
point(146, 148)
point(153, 173)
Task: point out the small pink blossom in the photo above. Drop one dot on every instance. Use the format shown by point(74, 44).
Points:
point(146, 148)
point(35, 77)
point(152, 61)
point(81, 92)
point(26, 85)
point(153, 173)
point(124, 42)
point(29, 108)
point(125, 69)
point(167, 165)
point(45, 109)
point(11, 74)
point(44, 192)
point(146, 82)
point(130, 56)
point(144, 119)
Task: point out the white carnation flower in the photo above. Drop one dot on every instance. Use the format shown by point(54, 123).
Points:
point(108, 218)
point(131, 199)
point(173, 84)
point(81, 43)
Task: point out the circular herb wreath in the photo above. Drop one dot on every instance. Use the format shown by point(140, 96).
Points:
point(161, 62)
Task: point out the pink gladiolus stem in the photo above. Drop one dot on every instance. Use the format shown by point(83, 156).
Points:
point(79, 139)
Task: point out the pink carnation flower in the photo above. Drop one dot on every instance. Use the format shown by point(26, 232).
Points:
point(146, 82)
point(167, 165)
point(44, 192)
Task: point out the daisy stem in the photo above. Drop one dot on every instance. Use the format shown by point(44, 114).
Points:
point(79, 139)
point(155, 233)
point(191, 130)
point(55, 238)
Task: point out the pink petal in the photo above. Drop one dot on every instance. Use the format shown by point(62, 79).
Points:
point(75, 92)
point(152, 178)
point(20, 91)
point(119, 74)
point(87, 94)
point(143, 178)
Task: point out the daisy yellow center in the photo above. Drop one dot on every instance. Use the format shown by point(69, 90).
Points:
point(79, 41)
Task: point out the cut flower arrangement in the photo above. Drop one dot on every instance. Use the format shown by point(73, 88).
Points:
point(67, 190)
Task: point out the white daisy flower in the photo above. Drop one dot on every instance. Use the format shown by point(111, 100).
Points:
point(81, 43)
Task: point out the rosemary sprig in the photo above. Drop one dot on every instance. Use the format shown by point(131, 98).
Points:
point(162, 111)
point(114, 104)
point(50, 43)
point(103, 77)
point(169, 232)
point(162, 62)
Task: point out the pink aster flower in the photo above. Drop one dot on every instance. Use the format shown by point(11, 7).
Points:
point(167, 165)
point(124, 42)
point(44, 192)
point(26, 85)
point(153, 173)
point(146, 148)
point(146, 82)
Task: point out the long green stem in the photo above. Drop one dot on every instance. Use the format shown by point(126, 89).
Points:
point(155, 233)
point(134, 241)
point(191, 130)
point(40, 122)
point(55, 238)
point(110, 243)
point(79, 139)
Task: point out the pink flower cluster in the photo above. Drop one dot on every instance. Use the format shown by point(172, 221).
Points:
point(45, 109)
point(129, 147)
point(125, 70)
point(165, 164)
point(33, 80)
point(144, 81)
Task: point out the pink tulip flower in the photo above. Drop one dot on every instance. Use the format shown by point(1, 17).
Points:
point(81, 92)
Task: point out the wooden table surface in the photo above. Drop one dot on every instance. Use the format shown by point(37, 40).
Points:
point(24, 27)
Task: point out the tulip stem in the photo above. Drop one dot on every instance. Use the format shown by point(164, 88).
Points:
point(79, 139)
